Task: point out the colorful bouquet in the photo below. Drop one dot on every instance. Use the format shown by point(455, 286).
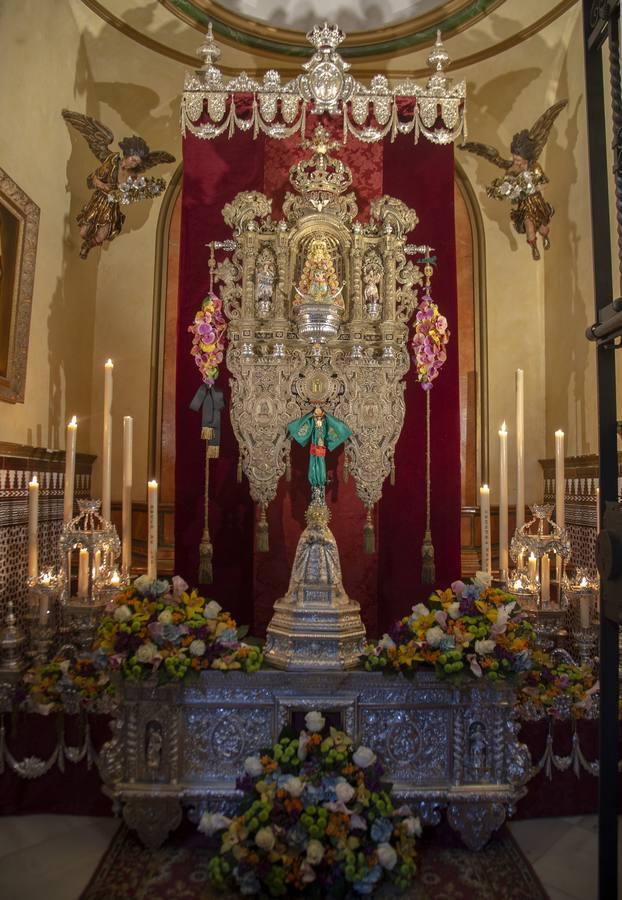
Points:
point(57, 684)
point(155, 627)
point(429, 341)
point(468, 630)
point(558, 689)
point(315, 820)
point(208, 338)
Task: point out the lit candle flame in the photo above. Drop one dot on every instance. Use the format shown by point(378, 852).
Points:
point(73, 422)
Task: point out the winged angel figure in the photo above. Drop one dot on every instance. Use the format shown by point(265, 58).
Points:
point(531, 214)
point(117, 181)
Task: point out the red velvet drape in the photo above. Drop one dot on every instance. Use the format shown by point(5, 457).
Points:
point(387, 583)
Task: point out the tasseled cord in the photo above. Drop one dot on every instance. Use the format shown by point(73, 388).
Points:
point(428, 568)
point(262, 544)
point(206, 549)
point(369, 534)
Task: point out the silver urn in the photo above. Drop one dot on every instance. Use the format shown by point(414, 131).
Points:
point(318, 322)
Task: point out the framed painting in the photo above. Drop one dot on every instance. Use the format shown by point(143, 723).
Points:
point(19, 228)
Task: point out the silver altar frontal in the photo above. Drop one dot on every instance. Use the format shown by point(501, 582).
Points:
point(445, 749)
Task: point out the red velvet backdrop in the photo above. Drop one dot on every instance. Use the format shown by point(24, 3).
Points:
point(387, 583)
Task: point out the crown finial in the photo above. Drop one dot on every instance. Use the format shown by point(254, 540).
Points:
point(327, 36)
point(322, 177)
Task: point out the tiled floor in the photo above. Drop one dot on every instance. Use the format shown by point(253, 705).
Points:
point(53, 857)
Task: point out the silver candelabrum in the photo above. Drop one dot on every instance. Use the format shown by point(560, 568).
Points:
point(581, 600)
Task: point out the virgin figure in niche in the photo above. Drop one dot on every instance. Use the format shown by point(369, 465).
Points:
point(318, 281)
point(116, 182)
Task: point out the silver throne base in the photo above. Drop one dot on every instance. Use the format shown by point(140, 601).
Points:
point(444, 749)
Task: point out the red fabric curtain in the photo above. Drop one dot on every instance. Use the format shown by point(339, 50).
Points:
point(387, 583)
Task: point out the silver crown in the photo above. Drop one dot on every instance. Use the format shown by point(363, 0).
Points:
point(326, 36)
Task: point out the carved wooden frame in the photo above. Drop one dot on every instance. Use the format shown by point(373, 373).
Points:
point(19, 204)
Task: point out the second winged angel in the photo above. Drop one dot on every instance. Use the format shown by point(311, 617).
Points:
point(117, 181)
point(531, 214)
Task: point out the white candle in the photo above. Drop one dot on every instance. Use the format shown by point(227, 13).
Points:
point(70, 469)
point(520, 449)
point(585, 603)
point(43, 607)
point(152, 544)
point(503, 502)
point(532, 568)
point(97, 563)
point(520, 562)
point(115, 579)
point(545, 579)
point(107, 445)
point(484, 505)
point(33, 527)
point(83, 573)
point(126, 558)
point(560, 489)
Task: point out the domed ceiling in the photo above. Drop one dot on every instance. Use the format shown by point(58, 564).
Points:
point(393, 36)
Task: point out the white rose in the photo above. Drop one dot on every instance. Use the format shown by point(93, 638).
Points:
point(307, 875)
point(314, 721)
point(197, 648)
point(212, 822)
point(253, 766)
point(419, 611)
point(315, 852)
point(211, 610)
point(434, 636)
point(454, 610)
point(484, 648)
point(166, 617)
point(482, 580)
point(122, 613)
point(413, 826)
point(146, 652)
point(303, 740)
point(265, 839)
point(294, 786)
point(387, 643)
point(387, 857)
point(344, 791)
point(363, 757)
point(64, 666)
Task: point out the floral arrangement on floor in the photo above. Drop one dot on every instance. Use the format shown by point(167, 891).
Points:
point(465, 631)
point(157, 627)
point(58, 684)
point(208, 338)
point(558, 688)
point(315, 820)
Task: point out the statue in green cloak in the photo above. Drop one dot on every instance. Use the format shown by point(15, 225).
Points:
point(325, 432)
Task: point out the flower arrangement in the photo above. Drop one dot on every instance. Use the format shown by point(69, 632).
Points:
point(315, 820)
point(157, 627)
point(467, 630)
point(208, 338)
point(83, 676)
point(429, 341)
point(558, 689)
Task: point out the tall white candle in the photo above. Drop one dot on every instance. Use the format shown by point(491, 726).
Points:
point(545, 579)
point(532, 568)
point(33, 527)
point(560, 489)
point(126, 559)
point(107, 445)
point(503, 502)
point(520, 448)
point(484, 506)
point(83, 573)
point(585, 608)
point(152, 541)
point(70, 468)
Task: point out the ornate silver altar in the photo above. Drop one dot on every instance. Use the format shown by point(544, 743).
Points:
point(347, 354)
point(444, 748)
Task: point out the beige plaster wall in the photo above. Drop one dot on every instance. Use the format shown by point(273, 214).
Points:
point(537, 312)
point(84, 312)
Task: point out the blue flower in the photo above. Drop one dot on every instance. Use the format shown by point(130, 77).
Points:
point(247, 882)
point(171, 633)
point(297, 836)
point(228, 636)
point(149, 588)
point(522, 661)
point(447, 643)
point(381, 830)
point(366, 885)
point(471, 592)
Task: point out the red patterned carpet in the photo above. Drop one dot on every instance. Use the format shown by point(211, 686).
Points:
point(447, 871)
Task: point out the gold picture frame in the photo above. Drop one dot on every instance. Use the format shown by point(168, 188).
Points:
point(19, 229)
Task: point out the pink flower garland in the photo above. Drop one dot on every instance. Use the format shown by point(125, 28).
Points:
point(208, 341)
point(429, 341)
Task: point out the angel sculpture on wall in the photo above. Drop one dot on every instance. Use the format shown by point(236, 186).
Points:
point(117, 181)
point(531, 214)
